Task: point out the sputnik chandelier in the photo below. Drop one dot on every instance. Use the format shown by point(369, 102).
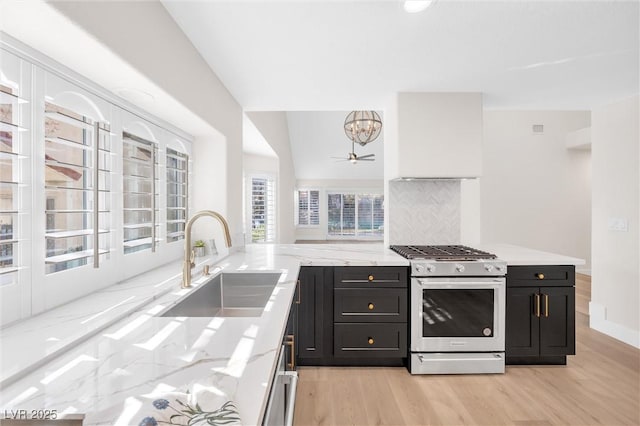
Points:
point(362, 127)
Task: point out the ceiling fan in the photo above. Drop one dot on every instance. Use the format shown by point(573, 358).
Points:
point(354, 158)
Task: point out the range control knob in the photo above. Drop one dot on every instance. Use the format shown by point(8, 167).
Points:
point(460, 268)
point(488, 268)
point(500, 268)
point(419, 268)
point(431, 268)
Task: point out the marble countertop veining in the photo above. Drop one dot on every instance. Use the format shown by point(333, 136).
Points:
point(144, 369)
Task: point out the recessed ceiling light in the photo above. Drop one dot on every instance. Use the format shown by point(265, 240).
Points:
point(415, 6)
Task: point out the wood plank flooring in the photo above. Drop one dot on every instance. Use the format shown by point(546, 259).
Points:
point(599, 386)
point(583, 293)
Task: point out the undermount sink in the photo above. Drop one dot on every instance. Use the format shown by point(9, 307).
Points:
point(242, 294)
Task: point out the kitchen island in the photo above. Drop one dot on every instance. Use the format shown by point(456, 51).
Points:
point(145, 368)
point(140, 365)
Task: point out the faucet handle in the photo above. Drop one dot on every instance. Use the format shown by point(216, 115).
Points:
point(192, 258)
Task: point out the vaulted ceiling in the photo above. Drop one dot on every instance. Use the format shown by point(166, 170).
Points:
point(335, 55)
point(344, 55)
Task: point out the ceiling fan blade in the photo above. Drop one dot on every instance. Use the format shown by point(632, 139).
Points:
point(360, 157)
point(339, 158)
point(366, 159)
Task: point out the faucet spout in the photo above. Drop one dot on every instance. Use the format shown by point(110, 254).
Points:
point(186, 269)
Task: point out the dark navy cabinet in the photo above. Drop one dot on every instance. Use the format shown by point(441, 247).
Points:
point(540, 314)
point(352, 315)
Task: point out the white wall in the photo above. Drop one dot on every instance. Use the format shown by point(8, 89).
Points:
point(615, 283)
point(534, 191)
point(259, 164)
point(439, 134)
point(274, 128)
point(324, 185)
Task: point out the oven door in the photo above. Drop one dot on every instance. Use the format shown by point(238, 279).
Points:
point(462, 314)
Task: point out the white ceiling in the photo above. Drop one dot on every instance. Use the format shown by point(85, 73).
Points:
point(318, 136)
point(344, 55)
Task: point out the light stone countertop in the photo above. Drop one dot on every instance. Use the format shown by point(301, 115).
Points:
point(521, 256)
point(115, 376)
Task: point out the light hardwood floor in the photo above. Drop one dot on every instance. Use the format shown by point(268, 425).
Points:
point(599, 385)
point(583, 293)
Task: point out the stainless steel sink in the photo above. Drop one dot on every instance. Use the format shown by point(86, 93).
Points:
point(242, 294)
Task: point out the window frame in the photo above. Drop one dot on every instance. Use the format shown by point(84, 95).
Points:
point(357, 196)
point(297, 206)
point(39, 79)
point(180, 156)
point(140, 143)
point(271, 180)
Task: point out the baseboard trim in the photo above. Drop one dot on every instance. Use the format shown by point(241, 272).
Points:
point(584, 271)
point(598, 321)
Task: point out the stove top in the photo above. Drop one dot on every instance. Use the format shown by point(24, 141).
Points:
point(442, 252)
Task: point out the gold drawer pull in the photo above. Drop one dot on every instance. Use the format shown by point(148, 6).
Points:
point(291, 342)
point(540, 276)
point(537, 296)
point(371, 306)
point(370, 277)
point(370, 340)
point(546, 305)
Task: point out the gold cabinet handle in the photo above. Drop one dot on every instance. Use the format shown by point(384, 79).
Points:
point(370, 277)
point(291, 342)
point(540, 276)
point(299, 293)
point(537, 305)
point(546, 305)
point(371, 306)
point(371, 340)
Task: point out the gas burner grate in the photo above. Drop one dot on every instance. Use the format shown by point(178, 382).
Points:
point(442, 252)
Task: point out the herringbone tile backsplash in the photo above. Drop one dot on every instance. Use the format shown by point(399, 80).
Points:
point(424, 212)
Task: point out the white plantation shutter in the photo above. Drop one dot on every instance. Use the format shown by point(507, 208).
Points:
point(77, 189)
point(314, 207)
point(308, 207)
point(12, 156)
point(140, 193)
point(355, 215)
point(263, 214)
point(177, 201)
point(378, 215)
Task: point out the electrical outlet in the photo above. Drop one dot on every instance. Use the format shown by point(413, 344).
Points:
point(618, 224)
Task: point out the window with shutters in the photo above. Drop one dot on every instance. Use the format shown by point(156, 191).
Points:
point(354, 215)
point(263, 214)
point(177, 201)
point(11, 159)
point(77, 179)
point(308, 207)
point(140, 193)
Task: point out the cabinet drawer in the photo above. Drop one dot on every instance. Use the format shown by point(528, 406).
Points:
point(543, 275)
point(370, 305)
point(370, 276)
point(370, 340)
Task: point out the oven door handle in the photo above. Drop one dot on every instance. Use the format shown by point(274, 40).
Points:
point(461, 283)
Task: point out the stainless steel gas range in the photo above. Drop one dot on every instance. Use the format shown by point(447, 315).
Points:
point(457, 310)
